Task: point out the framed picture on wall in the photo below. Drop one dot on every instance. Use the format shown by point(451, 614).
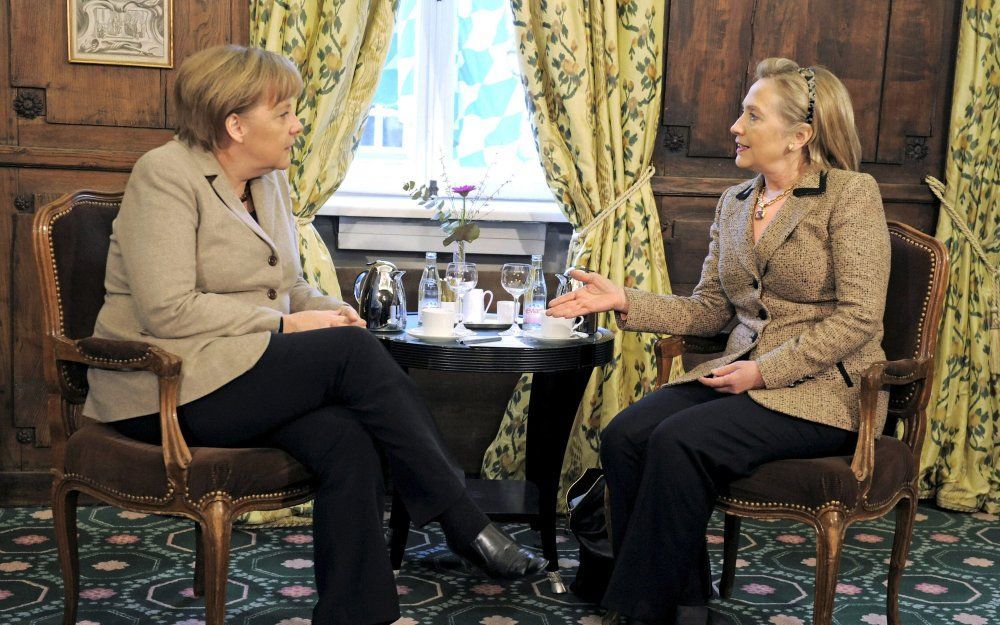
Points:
point(121, 32)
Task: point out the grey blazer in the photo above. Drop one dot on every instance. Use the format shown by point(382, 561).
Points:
point(807, 299)
point(191, 271)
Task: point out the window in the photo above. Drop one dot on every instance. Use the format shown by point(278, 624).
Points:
point(450, 98)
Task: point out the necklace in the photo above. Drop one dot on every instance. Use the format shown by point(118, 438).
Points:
point(246, 194)
point(762, 205)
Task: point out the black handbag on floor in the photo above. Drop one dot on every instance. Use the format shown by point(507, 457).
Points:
point(589, 523)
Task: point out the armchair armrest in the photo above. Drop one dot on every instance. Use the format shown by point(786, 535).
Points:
point(138, 356)
point(879, 374)
point(668, 348)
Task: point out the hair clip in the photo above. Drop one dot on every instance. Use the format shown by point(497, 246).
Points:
point(810, 78)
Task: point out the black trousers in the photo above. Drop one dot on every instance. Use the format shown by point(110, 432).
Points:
point(330, 398)
point(665, 458)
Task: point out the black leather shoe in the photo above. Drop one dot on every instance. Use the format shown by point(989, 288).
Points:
point(498, 555)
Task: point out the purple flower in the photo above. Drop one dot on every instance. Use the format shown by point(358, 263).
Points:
point(464, 190)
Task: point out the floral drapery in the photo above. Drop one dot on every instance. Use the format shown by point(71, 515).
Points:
point(592, 75)
point(960, 461)
point(340, 47)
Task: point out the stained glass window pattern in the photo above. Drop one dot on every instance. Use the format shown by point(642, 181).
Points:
point(394, 108)
point(490, 119)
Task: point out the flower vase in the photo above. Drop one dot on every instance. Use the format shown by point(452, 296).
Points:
point(458, 256)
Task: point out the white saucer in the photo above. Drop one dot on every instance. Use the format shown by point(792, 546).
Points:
point(418, 333)
point(538, 336)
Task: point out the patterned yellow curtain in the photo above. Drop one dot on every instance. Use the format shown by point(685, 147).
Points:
point(592, 74)
point(960, 463)
point(340, 47)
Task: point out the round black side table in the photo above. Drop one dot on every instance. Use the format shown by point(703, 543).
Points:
point(561, 372)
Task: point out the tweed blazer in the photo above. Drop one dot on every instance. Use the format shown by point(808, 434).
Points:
point(189, 270)
point(807, 298)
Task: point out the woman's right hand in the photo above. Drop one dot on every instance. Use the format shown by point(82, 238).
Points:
point(316, 319)
point(598, 294)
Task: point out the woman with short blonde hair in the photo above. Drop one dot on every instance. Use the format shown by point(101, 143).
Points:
point(214, 83)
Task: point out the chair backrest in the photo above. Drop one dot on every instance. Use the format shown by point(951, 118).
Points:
point(913, 308)
point(71, 238)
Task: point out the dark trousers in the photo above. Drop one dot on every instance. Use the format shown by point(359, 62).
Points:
point(330, 398)
point(665, 458)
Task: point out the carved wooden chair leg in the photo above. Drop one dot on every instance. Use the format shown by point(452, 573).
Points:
point(216, 526)
point(64, 517)
point(829, 540)
point(199, 561)
point(399, 532)
point(730, 547)
point(906, 512)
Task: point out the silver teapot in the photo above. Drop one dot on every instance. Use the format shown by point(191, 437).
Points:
point(381, 298)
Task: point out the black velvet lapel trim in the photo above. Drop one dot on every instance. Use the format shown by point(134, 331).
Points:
point(805, 191)
point(745, 193)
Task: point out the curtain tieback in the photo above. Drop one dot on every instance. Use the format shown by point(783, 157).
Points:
point(302, 222)
point(578, 234)
point(993, 314)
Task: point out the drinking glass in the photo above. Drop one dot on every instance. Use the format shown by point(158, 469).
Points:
point(514, 279)
point(462, 278)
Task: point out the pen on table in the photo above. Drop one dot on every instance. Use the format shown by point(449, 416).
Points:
point(485, 339)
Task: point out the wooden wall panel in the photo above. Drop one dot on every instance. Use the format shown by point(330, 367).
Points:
point(79, 93)
point(10, 457)
point(95, 121)
point(706, 39)
point(911, 77)
point(8, 121)
point(10, 449)
point(848, 35)
point(27, 370)
point(38, 133)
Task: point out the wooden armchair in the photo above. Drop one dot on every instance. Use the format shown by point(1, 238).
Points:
point(210, 486)
point(832, 493)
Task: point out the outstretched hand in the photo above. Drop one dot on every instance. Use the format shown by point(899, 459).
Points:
point(597, 295)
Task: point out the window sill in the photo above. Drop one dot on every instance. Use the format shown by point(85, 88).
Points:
point(399, 207)
point(382, 223)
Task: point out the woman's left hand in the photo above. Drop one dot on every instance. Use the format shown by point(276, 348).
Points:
point(351, 316)
point(736, 377)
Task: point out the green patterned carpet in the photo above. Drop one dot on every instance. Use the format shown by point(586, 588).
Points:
point(137, 569)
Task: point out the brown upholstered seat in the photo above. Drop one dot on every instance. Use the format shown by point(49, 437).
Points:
point(139, 472)
point(815, 482)
point(208, 485)
point(832, 493)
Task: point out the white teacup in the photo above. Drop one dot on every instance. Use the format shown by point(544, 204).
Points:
point(439, 321)
point(505, 311)
point(559, 327)
point(475, 305)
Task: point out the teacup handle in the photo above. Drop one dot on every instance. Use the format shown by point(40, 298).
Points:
point(577, 324)
point(486, 306)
